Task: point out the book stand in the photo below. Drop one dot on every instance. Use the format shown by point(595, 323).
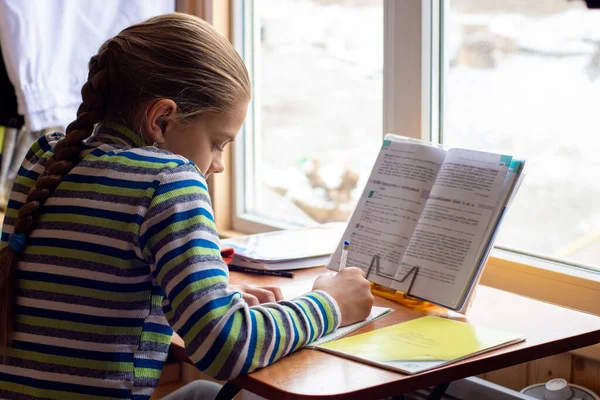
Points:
point(404, 298)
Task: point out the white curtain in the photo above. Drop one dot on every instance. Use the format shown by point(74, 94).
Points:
point(46, 45)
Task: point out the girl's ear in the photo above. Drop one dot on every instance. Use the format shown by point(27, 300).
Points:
point(158, 116)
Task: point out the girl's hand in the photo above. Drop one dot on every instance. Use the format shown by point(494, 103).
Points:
point(255, 295)
point(351, 291)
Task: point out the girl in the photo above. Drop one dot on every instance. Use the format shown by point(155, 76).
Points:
point(109, 241)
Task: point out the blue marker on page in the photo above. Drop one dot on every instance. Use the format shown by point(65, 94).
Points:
point(344, 255)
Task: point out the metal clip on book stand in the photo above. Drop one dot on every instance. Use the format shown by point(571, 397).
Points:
point(403, 298)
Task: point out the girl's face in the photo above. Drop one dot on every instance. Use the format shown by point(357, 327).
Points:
point(202, 139)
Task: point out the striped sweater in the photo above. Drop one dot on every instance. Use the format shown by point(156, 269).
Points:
point(125, 251)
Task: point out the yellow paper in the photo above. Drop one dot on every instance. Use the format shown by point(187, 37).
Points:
point(420, 344)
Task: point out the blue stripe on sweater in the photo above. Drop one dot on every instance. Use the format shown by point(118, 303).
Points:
point(93, 212)
point(181, 250)
point(43, 143)
point(323, 313)
point(102, 180)
point(296, 335)
point(195, 277)
point(158, 328)
point(75, 353)
point(82, 282)
point(147, 363)
point(202, 311)
point(130, 155)
point(110, 251)
point(79, 318)
point(251, 344)
point(182, 184)
point(277, 339)
point(173, 218)
point(216, 347)
point(14, 204)
point(28, 173)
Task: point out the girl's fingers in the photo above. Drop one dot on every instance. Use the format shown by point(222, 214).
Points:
point(250, 299)
point(263, 294)
point(276, 290)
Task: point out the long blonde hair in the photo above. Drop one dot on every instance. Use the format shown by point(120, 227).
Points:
point(173, 56)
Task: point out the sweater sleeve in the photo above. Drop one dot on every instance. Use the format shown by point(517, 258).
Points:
point(223, 336)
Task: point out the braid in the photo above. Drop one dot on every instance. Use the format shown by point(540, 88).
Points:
point(95, 96)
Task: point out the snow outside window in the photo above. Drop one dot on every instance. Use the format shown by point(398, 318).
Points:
point(523, 78)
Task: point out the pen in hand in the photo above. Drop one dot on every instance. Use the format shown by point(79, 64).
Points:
point(344, 257)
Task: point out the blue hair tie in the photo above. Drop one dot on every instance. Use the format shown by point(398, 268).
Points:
point(16, 241)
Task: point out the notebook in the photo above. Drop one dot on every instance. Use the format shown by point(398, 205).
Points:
point(376, 313)
point(286, 249)
point(421, 344)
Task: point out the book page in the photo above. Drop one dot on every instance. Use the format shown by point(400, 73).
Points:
point(389, 208)
point(510, 186)
point(447, 239)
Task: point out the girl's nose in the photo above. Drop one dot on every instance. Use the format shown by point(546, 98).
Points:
point(216, 166)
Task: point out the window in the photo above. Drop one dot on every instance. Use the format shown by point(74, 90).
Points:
point(316, 67)
point(331, 76)
point(524, 78)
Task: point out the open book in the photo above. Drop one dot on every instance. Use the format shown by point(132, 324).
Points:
point(436, 209)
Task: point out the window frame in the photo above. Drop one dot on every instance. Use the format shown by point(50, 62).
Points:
point(245, 149)
point(413, 106)
point(219, 14)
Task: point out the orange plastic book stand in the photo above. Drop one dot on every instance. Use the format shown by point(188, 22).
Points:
point(405, 299)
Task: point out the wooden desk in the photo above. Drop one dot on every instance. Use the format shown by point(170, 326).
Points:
point(312, 374)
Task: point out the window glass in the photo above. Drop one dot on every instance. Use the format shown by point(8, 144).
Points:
point(524, 79)
point(318, 122)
